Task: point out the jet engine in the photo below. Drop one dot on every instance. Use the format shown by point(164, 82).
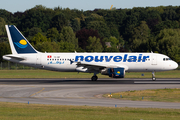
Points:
point(114, 72)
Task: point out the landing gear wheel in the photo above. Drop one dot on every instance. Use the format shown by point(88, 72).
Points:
point(94, 78)
point(153, 78)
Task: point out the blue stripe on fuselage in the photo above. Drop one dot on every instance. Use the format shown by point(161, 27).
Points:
point(125, 58)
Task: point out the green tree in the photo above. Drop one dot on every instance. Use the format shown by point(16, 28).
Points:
point(48, 46)
point(2, 26)
point(39, 38)
point(113, 41)
point(94, 45)
point(59, 21)
point(4, 49)
point(140, 37)
point(75, 24)
point(101, 27)
point(39, 16)
point(114, 31)
point(66, 46)
point(67, 35)
point(129, 25)
point(53, 34)
point(111, 49)
point(96, 17)
point(115, 44)
point(83, 36)
point(7, 16)
point(166, 25)
point(169, 14)
point(168, 43)
point(115, 17)
point(32, 32)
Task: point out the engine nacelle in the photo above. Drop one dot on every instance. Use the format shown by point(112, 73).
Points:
point(114, 72)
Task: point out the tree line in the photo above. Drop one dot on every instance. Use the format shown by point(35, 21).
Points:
point(138, 29)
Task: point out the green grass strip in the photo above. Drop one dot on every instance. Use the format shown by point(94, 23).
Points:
point(162, 95)
point(21, 111)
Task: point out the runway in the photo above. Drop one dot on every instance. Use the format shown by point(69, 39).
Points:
point(82, 91)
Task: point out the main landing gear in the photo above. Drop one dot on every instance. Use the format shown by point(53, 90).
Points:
point(153, 76)
point(94, 78)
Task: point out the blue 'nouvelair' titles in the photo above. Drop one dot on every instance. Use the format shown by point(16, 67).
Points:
point(126, 58)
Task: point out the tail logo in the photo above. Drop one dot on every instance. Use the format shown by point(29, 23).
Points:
point(21, 44)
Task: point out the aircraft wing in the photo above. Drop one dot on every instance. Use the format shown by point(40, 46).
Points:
point(92, 66)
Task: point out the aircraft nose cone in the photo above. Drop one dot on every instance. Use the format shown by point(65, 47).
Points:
point(175, 65)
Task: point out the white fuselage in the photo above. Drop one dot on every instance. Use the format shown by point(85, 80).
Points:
point(132, 62)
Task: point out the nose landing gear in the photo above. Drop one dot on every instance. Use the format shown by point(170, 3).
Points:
point(153, 76)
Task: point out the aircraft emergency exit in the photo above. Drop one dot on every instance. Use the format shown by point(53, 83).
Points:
point(114, 65)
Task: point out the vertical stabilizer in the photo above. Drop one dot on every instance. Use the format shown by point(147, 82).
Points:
point(18, 43)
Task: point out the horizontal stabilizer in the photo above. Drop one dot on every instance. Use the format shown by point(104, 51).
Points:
point(14, 57)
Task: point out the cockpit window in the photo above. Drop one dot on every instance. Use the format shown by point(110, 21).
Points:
point(166, 59)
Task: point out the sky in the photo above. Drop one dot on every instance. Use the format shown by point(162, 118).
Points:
point(22, 5)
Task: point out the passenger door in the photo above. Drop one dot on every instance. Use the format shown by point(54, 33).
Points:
point(154, 60)
point(38, 60)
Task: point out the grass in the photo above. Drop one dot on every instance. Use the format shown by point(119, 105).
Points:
point(54, 74)
point(162, 95)
point(41, 74)
point(21, 111)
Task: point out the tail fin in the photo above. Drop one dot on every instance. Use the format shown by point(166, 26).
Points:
point(18, 43)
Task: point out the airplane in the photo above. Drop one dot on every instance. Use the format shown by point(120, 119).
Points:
point(114, 65)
